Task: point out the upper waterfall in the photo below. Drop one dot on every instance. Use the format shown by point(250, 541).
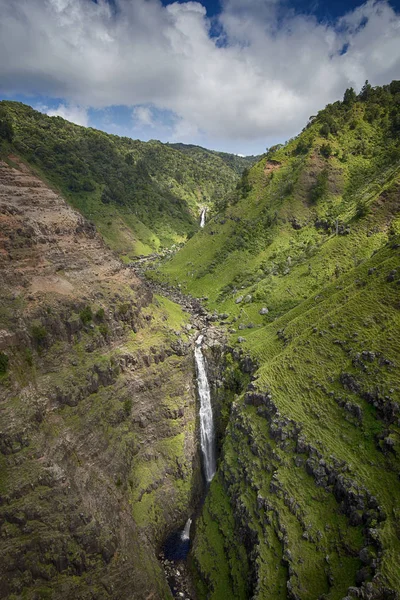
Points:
point(207, 434)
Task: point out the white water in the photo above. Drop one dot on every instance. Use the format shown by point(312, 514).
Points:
point(207, 435)
point(185, 535)
point(203, 217)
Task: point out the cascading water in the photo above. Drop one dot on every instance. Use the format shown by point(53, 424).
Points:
point(177, 545)
point(203, 217)
point(185, 535)
point(207, 434)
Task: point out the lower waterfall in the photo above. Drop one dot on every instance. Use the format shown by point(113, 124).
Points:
point(207, 434)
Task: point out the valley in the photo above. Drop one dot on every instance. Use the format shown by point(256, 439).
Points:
point(287, 300)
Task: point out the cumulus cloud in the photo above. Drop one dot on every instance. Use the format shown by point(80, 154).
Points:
point(262, 76)
point(71, 112)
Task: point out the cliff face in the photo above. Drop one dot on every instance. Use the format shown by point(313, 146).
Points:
point(98, 455)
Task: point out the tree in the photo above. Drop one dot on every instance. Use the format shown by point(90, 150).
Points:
point(6, 128)
point(349, 96)
point(366, 91)
point(129, 159)
point(321, 186)
point(325, 130)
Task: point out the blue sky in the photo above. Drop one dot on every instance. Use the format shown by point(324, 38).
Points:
point(322, 9)
point(235, 75)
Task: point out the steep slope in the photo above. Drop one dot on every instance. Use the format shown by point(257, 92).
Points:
point(142, 196)
point(305, 261)
point(98, 455)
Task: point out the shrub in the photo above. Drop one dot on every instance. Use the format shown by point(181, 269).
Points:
point(3, 363)
point(104, 330)
point(100, 314)
point(128, 403)
point(326, 150)
point(86, 315)
point(39, 333)
point(302, 147)
point(6, 128)
point(325, 130)
point(124, 308)
point(362, 209)
point(28, 356)
point(320, 188)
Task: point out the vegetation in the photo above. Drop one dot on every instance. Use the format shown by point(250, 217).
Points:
point(307, 482)
point(234, 161)
point(142, 196)
point(3, 363)
point(86, 315)
point(39, 333)
point(303, 255)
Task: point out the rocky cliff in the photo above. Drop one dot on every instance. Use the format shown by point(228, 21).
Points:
point(98, 456)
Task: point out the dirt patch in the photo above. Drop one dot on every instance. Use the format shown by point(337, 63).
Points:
point(271, 165)
point(54, 284)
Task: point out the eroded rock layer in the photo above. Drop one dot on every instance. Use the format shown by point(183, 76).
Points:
point(98, 457)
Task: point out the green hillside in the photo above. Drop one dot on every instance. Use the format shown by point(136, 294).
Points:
point(234, 161)
point(305, 260)
point(142, 196)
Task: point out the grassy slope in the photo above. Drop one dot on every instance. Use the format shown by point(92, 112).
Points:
point(329, 300)
point(154, 192)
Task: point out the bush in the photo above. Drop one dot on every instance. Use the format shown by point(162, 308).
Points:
point(100, 314)
point(362, 209)
point(104, 330)
point(3, 363)
point(325, 130)
point(39, 333)
point(124, 308)
point(128, 403)
point(320, 188)
point(28, 356)
point(302, 147)
point(86, 315)
point(6, 128)
point(326, 150)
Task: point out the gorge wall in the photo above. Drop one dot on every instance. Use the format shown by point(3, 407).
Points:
point(98, 450)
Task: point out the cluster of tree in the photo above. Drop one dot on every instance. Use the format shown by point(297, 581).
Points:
point(380, 105)
point(156, 181)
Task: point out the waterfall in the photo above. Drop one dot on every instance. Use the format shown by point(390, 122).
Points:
point(207, 435)
point(185, 535)
point(203, 217)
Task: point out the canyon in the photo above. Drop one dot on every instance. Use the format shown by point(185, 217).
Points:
point(234, 389)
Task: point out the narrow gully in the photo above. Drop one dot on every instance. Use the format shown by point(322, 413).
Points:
point(177, 545)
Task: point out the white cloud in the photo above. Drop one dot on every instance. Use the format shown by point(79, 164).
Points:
point(266, 73)
point(75, 114)
point(143, 115)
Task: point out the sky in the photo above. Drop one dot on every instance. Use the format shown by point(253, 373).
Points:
point(232, 75)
